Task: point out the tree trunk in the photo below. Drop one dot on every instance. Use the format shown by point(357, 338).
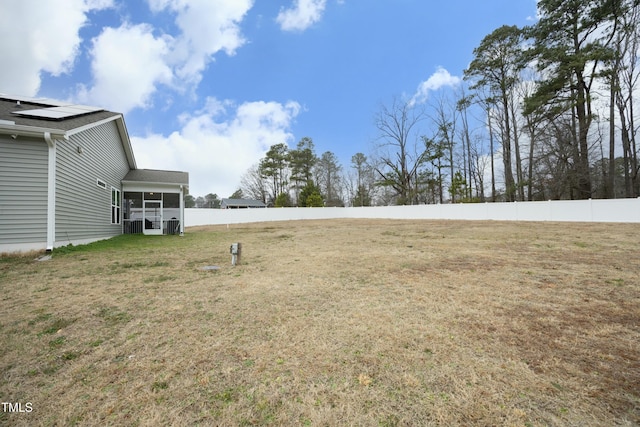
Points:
point(506, 152)
point(516, 144)
point(610, 192)
point(584, 120)
point(532, 136)
point(493, 169)
point(451, 167)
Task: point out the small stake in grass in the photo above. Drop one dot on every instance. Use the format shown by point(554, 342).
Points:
point(236, 250)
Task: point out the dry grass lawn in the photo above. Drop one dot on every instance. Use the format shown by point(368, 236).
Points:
point(336, 322)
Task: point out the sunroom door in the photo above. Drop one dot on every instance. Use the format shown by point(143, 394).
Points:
point(152, 213)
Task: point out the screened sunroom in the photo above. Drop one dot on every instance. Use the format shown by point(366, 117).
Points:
point(153, 202)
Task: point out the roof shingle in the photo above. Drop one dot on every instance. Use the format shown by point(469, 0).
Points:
point(157, 176)
point(9, 105)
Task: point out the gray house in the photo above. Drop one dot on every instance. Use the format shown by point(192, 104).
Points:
point(68, 175)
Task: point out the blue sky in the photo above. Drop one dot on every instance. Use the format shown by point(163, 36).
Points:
point(207, 86)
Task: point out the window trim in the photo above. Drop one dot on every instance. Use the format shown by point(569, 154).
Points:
point(116, 206)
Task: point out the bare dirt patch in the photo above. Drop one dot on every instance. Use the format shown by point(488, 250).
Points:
point(337, 322)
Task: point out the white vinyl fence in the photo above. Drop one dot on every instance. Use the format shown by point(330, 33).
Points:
point(615, 210)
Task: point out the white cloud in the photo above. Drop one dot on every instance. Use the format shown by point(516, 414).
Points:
point(40, 36)
point(302, 15)
point(441, 78)
point(219, 143)
point(128, 63)
point(207, 27)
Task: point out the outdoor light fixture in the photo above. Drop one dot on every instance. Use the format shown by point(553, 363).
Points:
point(79, 149)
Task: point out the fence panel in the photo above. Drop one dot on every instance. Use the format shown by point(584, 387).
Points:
point(616, 210)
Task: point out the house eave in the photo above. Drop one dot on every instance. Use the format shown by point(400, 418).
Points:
point(31, 131)
point(156, 184)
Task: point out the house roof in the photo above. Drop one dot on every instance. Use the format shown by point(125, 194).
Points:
point(248, 203)
point(11, 111)
point(20, 115)
point(60, 119)
point(153, 176)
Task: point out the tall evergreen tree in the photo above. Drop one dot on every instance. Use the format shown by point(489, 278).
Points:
point(302, 161)
point(496, 67)
point(274, 168)
point(570, 43)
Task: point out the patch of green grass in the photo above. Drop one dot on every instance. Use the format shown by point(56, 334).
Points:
point(96, 343)
point(159, 264)
point(113, 315)
point(56, 325)
point(134, 335)
point(50, 368)
point(57, 342)
point(42, 317)
point(159, 279)
point(159, 385)
point(117, 243)
point(616, 282)
point(389, 421)
point(70, 355)
point(228, 395)
point(128, 265)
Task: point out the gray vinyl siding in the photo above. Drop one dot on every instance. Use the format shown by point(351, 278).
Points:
point(23, 192)
point(83, 210)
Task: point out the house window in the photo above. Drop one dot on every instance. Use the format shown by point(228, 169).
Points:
point(115, 206)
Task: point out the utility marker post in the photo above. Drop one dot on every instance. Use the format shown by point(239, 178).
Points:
point(236, 251)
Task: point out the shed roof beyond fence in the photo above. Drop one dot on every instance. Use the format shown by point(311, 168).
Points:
point(242, 203)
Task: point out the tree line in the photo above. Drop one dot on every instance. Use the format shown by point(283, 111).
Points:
point(296, 177)
point(558, 95)
point(545, 111)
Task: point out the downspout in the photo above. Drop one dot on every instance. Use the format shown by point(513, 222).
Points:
point(51, 192)
point(182, 210)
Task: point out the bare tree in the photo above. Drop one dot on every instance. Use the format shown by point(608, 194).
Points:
point(328, 177)
point(462, 105)
point(253, 184)
point(362, 194)
point(400, 151)
point(479, 161)
point(445, 119)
